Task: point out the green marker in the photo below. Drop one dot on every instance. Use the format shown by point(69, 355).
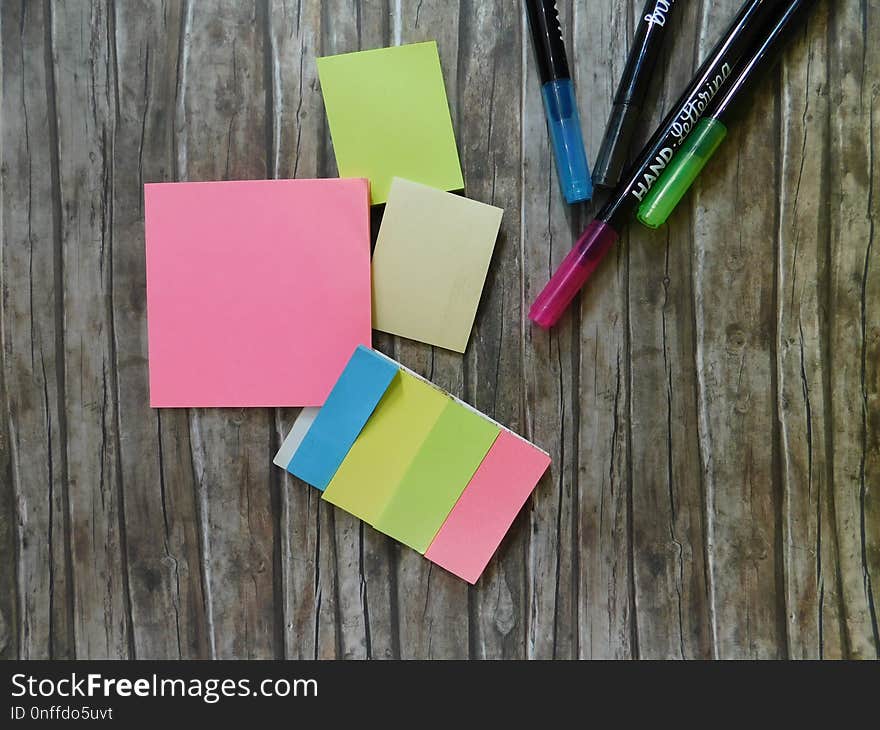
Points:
point(699, 142)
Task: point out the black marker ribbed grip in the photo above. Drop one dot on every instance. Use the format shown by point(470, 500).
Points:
point(547, 36)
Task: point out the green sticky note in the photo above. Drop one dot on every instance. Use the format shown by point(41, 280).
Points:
point(389, 116)
point(437, 476)
point(386, 447)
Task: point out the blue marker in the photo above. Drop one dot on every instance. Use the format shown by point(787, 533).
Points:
point(559, 101)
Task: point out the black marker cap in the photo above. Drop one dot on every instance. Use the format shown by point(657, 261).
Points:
point(613, 153)
point(547, 37)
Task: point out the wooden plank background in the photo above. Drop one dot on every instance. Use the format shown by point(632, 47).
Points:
point(712, 406)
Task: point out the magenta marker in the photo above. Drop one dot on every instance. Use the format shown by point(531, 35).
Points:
point(572, 273)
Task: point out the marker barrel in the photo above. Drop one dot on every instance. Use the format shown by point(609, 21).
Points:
point(614, 150)
point(651, 26)
point(568, 144)
point(572, 273)
point(713, 77)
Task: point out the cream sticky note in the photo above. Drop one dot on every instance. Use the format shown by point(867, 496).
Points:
point(257, 291)
point(487, 507)
point(389, 116)
point(430, 264)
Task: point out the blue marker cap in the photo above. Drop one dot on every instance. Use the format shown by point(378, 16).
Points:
point(568, 144)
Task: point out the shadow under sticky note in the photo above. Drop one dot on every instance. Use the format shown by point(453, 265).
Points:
point(337, 425)
point(487, 507)
point(437, 476)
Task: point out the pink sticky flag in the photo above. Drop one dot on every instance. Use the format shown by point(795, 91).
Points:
point(257, 291)
point(487, 507)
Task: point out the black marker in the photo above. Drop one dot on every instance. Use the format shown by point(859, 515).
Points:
point(711, 130)
point(650, 30)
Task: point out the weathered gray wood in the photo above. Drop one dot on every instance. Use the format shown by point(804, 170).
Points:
point(344, 619)
point(296, 138)
point(669, 568)
point(330, 607)
point(221, 134)
point(33, 359)
point(735, 228)
point(854, 345)
point(710, 402)
point(812, 592)
point(8, 512)
point(488, 101)
point(86, 114)
point(8, 553)
point(168, 612)
point(603, 522)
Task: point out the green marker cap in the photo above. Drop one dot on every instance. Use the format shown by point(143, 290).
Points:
point(681, 172)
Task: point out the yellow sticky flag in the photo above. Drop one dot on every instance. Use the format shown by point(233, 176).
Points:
point(383, 452)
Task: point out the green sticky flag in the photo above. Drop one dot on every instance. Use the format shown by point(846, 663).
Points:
point(437, 476)
point(411, 461)
point(389, 116)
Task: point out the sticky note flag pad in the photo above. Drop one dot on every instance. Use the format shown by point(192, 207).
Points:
point(430, 264)
point(257, 291)
point(414, 462)
point(389, 115)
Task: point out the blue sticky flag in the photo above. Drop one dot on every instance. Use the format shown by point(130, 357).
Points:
point(339, 422)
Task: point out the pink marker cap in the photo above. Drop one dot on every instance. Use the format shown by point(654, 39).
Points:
point(572, 274)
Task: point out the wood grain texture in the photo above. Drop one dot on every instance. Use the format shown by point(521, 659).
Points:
point(812, 589)
point(670, 576)
point(432, 606)
point(854, 299)
point(161, 514)
point(550, 383)
point(33, 344)
point(296, 139)
point(81, 41)
point(736, 378)
point(711, 401)
point(603, 520)
point(221, 134)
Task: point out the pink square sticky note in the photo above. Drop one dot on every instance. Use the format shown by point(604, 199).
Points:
point(257, 291)
point(487, 506)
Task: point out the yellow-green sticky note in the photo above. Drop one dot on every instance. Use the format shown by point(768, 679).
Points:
point(389, 116)
point(384, 450)
point(437, 476)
